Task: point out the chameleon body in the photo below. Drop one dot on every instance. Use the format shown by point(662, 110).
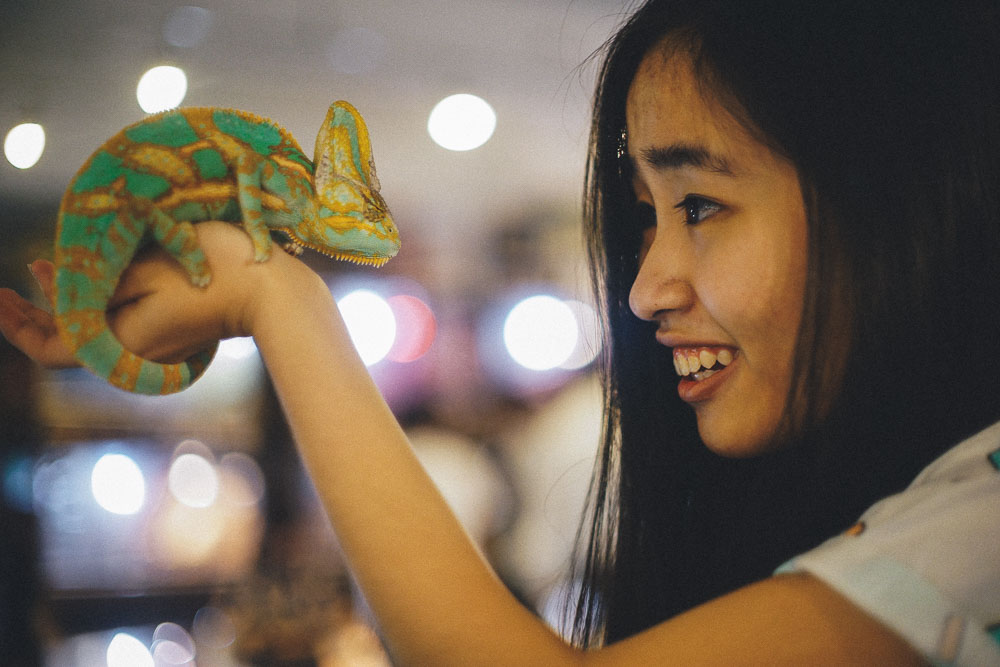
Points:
point(150, 182)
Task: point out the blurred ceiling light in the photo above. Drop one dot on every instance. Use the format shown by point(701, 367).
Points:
point(370, 322)
point(461, 122)
point(161, 88)
point(117, 484)
point(24, 145)
point(540, 332)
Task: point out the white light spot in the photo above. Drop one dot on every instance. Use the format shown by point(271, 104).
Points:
point(124, 650)
point(238, 348)
point(588, 342)
point(540, 332)
point(118, 484)
point(461, 122)
point(193, 480)
point(161, 88)
point(371, 324)
point(24, 145)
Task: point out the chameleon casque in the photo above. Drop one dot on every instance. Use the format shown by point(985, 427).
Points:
point(152, 180)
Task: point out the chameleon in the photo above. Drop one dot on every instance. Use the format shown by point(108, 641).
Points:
point(153, 180)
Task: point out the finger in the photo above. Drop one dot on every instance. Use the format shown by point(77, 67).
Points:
point(33, 331)
point(44, 273)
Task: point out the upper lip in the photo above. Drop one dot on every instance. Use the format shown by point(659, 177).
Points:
point(678, 341)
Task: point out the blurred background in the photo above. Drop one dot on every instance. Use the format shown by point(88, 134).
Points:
point(182, 530)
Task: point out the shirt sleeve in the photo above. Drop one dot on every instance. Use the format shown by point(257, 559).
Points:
point(926, 562)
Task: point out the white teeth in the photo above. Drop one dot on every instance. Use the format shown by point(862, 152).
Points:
point(682, 365)
point(694, 363)
point(690, 362)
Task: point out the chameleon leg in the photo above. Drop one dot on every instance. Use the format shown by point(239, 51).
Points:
point(180, 240)
point(249, 193)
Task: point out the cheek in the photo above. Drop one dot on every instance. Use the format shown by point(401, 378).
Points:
point(757, 296)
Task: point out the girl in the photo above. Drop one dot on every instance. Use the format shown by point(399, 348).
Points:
point(794, 224)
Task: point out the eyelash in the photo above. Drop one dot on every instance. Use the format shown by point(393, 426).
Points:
point(694, 209)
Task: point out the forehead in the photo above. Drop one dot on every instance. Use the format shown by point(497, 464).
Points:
point(667, 105)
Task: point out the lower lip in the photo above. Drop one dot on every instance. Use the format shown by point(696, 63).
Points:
point(694, 391)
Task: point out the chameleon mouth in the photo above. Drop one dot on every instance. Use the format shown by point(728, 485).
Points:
point(295, 248)
point(356, 259)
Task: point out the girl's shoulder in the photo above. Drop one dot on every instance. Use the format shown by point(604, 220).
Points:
point(925, 561)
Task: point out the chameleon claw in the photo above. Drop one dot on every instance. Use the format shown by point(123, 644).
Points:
point(292, 248)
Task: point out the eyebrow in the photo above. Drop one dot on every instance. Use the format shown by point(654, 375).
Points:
point(678, 156)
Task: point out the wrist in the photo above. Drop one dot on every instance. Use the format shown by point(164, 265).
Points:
point(285, 290)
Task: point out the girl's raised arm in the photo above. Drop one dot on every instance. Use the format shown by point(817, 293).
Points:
point(435, 598)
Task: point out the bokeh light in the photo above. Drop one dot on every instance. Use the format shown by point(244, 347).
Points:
point(24, 145)
point(371, 324)
point(193, 480)
point(415, 328)
point(461, 122)
point(124, 650)
point(172, 646)
point(242, 479)
point(213, 628)
point(161, 88)
point(588, 342)
point(540, 332)
point(118, 484)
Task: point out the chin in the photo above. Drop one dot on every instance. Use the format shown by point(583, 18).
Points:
point(738, 442)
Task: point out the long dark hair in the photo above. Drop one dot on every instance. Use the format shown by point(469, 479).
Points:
point(890, 112)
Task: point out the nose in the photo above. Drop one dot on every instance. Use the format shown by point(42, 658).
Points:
point(662, 285)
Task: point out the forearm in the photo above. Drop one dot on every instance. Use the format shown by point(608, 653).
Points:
point(435, 598)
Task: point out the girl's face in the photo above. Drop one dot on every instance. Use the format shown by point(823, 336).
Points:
point(723, 260)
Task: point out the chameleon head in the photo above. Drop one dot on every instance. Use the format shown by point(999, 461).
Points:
point(354, 222)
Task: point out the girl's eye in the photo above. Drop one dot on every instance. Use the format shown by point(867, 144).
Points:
point(696, 209)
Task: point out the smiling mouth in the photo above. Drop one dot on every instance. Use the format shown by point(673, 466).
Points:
point(701, 363)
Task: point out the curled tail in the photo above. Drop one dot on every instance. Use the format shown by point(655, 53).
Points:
point(80, 317)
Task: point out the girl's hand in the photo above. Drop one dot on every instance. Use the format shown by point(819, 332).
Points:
point(155, 311)
point(33, 330)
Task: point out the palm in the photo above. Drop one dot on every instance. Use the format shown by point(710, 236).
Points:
point(31, 329)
